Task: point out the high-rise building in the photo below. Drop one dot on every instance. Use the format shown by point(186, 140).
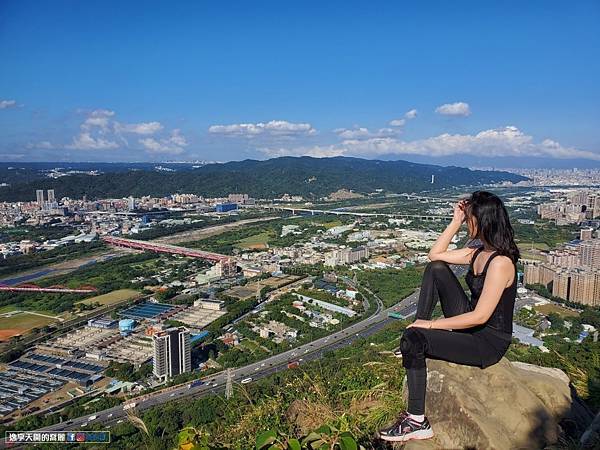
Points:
point(131, 203)
point(51, 198)
point(39, 194)
point(590, 254)
point(586, 234)
point(172, 354)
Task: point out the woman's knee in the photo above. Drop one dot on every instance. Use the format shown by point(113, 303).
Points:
point(413, 345)
point(436, 267)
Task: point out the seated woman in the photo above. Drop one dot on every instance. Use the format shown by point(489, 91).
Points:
point(475, 331)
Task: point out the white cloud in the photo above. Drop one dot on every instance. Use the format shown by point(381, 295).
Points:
point(5, 104)
point(85, 141)
point(364, 133)
point(454, 109)
point(144, 128)
point(508, 141)
point(172, 145)
point(410, 114)
point(41, 145)
point(398, 122)
point(100, 131)
point(99, 118)
point(272, 128)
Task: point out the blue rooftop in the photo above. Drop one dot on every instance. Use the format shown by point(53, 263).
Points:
point(146, 311)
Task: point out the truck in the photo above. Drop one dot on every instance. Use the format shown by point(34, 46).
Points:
point(293, 364)
point(246, 380)
point(130, 405)
point(395, 315)
point(195, 383)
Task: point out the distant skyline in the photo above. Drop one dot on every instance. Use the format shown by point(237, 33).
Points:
point(508, 84)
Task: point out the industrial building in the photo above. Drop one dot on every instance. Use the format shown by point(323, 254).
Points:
point(226, 207)
point(172, 353)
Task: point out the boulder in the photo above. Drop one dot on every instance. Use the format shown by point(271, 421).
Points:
point(509, 405)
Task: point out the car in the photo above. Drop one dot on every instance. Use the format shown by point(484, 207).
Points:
point(262, 365)
point(84, 424)
point(246, 380)
point(120, 421)
point(172, 394)
point(214, 385)
point(256, 369)
point(94, 417)
point(110, 415)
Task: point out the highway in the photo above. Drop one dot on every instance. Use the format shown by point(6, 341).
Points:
point(216, 382)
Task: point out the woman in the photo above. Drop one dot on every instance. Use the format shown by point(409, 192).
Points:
point(475, 331)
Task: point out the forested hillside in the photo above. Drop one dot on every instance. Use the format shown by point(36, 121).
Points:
point(309, 177)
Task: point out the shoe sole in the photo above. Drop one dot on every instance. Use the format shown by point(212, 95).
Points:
point(417, 435)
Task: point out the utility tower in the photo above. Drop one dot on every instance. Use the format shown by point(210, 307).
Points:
point(229, 384)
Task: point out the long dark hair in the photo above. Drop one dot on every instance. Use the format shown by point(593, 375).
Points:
point(493, 225)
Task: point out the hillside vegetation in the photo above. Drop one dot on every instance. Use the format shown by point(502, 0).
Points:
point(310, 177)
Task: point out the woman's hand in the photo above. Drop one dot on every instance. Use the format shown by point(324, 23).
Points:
point(420, 323)
point(459, 212)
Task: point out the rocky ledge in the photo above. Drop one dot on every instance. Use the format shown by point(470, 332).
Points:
point(509, 405)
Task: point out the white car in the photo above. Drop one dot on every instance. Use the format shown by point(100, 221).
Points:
point(172, 394)
point(256, 369)
point(84, 424)
point(215, 385)
point(120, 421)
point(262, 365)
point(246, 380)
point(110, 415)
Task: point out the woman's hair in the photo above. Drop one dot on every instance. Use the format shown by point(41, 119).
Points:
point(492, 223)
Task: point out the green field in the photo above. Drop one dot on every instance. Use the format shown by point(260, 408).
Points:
point(260, 239)
point(550, 308)
point(21, 323)
point(111, 298)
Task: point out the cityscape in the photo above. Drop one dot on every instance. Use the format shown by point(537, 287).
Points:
point(181, 268)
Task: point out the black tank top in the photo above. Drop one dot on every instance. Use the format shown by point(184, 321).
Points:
point(502, 317)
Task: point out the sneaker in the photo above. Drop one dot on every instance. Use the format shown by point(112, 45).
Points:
point(408, 429)
point(389, 428)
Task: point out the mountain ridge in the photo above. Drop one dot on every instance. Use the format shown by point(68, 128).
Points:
point(307, 176)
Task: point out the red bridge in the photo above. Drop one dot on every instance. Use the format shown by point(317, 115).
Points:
point(227, 264)
point(57, 289)
point(165, 248)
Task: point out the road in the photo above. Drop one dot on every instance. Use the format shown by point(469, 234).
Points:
point(216, 382)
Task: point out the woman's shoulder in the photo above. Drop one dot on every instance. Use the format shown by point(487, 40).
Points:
point(502, 265)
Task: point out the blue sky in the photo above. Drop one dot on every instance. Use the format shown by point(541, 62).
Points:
point(468, 83)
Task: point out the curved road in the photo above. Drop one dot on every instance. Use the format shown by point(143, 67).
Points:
point(216, 382)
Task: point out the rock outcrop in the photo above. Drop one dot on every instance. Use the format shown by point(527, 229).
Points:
point(509, 405)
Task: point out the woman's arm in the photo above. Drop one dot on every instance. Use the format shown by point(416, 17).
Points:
point(499, 273)
point(440, 252)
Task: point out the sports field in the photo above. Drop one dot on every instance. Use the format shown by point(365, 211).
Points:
point(111, 298)
point(20, 323)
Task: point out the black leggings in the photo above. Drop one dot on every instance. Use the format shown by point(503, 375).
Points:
point(471, 346)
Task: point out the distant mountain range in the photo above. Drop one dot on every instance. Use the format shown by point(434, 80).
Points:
point(306, 176)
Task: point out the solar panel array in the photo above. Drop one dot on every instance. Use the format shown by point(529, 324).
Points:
point(146, 311)
point(59, 367)
point(18, 389)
